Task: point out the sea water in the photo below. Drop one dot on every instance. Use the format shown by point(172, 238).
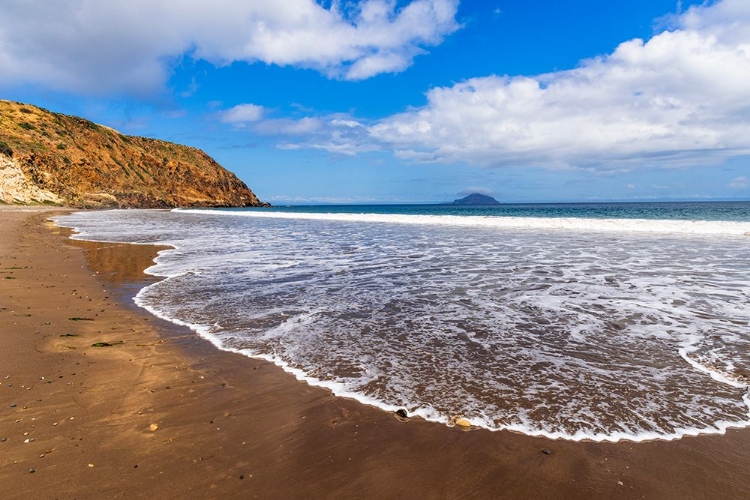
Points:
point(601, 321)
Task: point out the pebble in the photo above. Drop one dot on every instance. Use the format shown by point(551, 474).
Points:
point(31, 471)
point(3, 439)
point(460, 421)
point(153, 427)
point(402, 413)
point(546, 451)
point(13, 405)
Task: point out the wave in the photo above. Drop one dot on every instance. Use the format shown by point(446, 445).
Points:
point(256, 261)
point(428, 413)
point(654, 226)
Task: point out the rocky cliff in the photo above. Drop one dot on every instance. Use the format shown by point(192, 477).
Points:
point(51, 158)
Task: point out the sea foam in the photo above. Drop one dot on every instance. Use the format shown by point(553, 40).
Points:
point(564, 332)
point(688, 227)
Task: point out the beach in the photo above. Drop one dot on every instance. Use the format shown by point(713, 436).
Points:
point(156, 412)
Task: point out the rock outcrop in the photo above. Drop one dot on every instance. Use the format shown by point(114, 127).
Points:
point(51, 158)
point(16, 188)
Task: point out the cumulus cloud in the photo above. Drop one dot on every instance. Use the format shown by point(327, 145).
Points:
point(680, 98)
point(102, 46)
point(242, 114)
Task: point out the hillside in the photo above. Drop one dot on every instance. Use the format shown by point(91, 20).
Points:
point(51, 158)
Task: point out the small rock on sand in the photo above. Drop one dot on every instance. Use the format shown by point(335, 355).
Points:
point(153, 427)
point(460, 421)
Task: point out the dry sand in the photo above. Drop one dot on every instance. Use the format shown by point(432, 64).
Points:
point(234, 427)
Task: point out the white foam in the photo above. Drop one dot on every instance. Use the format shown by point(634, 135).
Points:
point(689, 227)
point(470, 288)
point(289, 325)
point(341, 389)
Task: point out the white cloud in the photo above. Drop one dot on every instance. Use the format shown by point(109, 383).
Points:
point(337, 133)
point(345, 123)
point(680, 98)
point(287, 126)
point(739, 183)
point(104, 46)
point(242, 113)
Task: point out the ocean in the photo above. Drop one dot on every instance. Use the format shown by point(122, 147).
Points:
point(606, 322)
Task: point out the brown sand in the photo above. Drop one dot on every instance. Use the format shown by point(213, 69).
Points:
point(233, 427)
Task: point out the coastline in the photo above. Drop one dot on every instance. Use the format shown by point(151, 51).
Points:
point(233, 427)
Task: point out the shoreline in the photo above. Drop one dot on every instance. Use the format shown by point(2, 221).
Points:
point(139, 279)
point(234, 426)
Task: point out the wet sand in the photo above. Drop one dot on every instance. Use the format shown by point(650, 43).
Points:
point(234, 427)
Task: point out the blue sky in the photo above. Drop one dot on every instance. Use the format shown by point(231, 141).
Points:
point(410, 101)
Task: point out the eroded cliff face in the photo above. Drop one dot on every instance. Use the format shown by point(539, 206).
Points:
point(16, 188)
point(52, 158)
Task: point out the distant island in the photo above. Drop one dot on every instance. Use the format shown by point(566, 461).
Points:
point(54, 159)
point(476, 199)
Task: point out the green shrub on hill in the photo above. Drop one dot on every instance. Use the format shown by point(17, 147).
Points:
point(5, 149)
